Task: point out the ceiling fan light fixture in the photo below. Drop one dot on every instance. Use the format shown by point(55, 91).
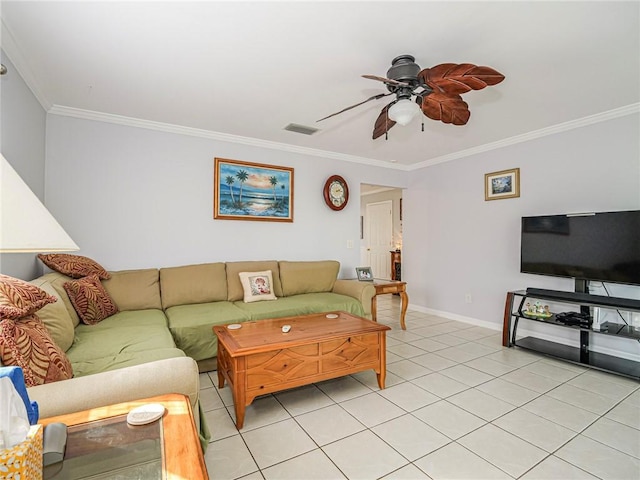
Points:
point(403, 111)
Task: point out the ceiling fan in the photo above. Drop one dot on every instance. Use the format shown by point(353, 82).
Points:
point(436, 90)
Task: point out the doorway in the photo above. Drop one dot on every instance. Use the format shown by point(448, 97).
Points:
point(379, 237)
point(381, 228)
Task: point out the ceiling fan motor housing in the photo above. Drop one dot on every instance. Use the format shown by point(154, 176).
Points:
point(404, 69)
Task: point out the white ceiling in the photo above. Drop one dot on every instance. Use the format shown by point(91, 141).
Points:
point(245, 70)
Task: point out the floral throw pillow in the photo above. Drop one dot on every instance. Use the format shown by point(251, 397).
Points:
point(74, 266)
point(19, 298)
point(257, 286)
point(90, 300)
point(26, 343)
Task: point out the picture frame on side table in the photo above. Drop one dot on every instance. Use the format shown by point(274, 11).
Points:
point(501, 185)
point(364, 274)
point(252, 191)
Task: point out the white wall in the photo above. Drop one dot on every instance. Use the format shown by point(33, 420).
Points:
point(456, 243)
point(135, 198)
point(22, 142)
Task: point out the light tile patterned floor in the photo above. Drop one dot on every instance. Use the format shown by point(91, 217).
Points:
point(456, 405)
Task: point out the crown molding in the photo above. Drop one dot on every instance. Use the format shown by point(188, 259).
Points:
point(255, 142)
point(543, 132)
point(11, 49)
point(209, 134)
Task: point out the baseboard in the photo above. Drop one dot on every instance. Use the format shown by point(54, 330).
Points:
point(522, 332)
point(460, 318)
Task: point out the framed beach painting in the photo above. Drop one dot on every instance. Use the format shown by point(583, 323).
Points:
point(252, 191)
point(503, 184)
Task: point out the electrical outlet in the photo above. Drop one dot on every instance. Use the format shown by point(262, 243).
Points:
point(349, 243)
point(467, 298)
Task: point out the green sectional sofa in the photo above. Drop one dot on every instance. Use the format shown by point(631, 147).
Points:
point(197, 297)
point(127, 356)
point(162, 336)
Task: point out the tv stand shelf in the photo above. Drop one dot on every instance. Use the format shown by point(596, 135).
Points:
point(582, 355)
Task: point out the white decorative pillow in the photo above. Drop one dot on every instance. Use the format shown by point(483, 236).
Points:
point(257, 286)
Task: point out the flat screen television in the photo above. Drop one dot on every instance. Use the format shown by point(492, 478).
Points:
point(601, 246)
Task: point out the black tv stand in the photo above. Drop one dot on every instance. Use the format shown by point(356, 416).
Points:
point(583, 301)
point(579, 297)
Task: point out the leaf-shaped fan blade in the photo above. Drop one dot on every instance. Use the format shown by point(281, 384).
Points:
point(375, 97)
point(455, 78)
point(390, 81)
point(446, 108)
point(383, 123)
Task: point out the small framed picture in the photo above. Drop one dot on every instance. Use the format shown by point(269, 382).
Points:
point(364, 274)
point(503, 184)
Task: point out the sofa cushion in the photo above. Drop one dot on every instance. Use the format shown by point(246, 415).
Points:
point(308, 277)
point(191, 326)
point(90, 299)
point(57, 281)
point(193, 284)
point(26, 343)
point(257, 286)
point(302, 305)
point(19, 298)
point(56, 317)
point(119, 360)
point(135, 289)
point(235, 290)
point(119, 340)
point(74, 266)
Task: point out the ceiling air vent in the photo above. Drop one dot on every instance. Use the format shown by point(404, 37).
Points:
point(294, 127)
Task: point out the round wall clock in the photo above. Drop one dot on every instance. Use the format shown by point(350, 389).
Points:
point(336, 192)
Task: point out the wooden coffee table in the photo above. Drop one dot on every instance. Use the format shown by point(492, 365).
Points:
point(259, 358)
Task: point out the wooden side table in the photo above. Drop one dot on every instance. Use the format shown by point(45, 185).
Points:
point(390, 286)
point(181, 453)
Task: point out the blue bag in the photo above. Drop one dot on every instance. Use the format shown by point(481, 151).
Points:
point(16, 376)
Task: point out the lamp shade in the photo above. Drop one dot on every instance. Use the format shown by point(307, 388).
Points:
point(25, 224)
point(403, 111)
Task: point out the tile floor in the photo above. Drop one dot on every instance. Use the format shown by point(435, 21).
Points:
point(456, 405)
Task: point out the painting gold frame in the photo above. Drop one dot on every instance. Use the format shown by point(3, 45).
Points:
point(502, 184)
point(252, 191)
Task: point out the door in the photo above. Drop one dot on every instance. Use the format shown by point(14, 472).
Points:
point(379, 237)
